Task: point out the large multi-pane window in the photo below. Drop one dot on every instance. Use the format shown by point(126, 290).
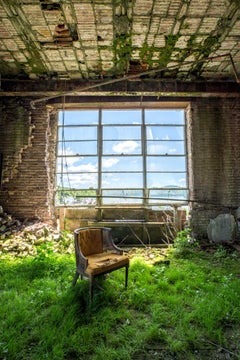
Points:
point(133, 156)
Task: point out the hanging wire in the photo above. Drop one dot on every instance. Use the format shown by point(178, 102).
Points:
point(62, 198)
point(64, 163)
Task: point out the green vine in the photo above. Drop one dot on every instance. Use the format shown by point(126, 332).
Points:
point(122, 47)
point(165, 54)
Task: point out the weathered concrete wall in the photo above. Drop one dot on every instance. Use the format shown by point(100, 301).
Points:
point(27, 143)
point(214, 160)
point(131, 226)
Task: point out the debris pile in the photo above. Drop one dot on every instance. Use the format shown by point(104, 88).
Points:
point(8, 225)
point(24, 238)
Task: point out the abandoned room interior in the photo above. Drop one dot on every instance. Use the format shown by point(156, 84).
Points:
point(121, 113)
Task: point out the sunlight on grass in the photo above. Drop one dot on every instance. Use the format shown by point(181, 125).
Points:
point(184, 308)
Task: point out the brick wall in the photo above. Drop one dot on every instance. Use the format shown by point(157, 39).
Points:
point(28, 145)
point(214, 159)
point(28, 160)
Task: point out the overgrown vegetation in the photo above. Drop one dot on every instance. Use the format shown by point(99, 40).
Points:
point(183, 304)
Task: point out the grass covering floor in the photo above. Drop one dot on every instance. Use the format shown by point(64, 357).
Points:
point(183, 306)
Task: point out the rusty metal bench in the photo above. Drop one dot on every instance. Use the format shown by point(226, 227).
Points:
point(96, 255)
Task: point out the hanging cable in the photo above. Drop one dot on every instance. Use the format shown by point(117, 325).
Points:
point(64, 164)
point(62, 196)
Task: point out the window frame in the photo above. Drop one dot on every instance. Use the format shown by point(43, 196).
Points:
point(94, 195)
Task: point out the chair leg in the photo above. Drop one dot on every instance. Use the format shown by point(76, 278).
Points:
point(75, 278)
point(91, 288)
point(126, 277)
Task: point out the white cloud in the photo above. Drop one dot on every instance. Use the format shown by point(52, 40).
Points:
point(87, 178)
point(149, 134)
point(65, 152)
point(66, 160)
point(161, 149)
point(182, 182)
point(125, 147)
point(83, 180)
point(166, 137)
point(84, 167)
point(110, 181)
point(156, 149)
point(108, 163)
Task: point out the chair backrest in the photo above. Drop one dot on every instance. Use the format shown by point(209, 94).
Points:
point(90, 241)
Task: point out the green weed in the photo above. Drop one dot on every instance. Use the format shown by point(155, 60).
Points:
point(184, 244)
point(185, 308)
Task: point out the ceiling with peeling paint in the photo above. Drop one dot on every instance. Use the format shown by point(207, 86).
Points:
point(187, 40)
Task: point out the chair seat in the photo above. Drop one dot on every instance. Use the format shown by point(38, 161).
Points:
point(105, 262)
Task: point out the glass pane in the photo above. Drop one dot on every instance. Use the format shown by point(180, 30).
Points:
point(77, 181)
point(62, 181)
point(73, 117)
point(165, 132)
point(123, 180)
point(122, 196)
point(64, 197)
point(121, 117)
point(165, 147)
point(77, 164)
point(122, 147)
point(164, 117)
point(129, 163)
point(85, 197)
point(166, 163)
point(167, 180)
point(76, 197)
point(121, 132)
point(77, 133)
point(77, 148)
point(174, 195)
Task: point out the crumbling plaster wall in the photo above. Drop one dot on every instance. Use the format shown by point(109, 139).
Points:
point(27, 143)
point(214, 160)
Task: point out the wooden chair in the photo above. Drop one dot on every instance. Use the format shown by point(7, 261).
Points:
point(96, 254)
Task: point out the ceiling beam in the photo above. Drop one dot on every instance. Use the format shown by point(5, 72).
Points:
point(50, 89)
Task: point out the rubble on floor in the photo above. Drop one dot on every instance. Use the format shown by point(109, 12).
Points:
point(23, 238)
point(150, 255)
point(8, 225)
